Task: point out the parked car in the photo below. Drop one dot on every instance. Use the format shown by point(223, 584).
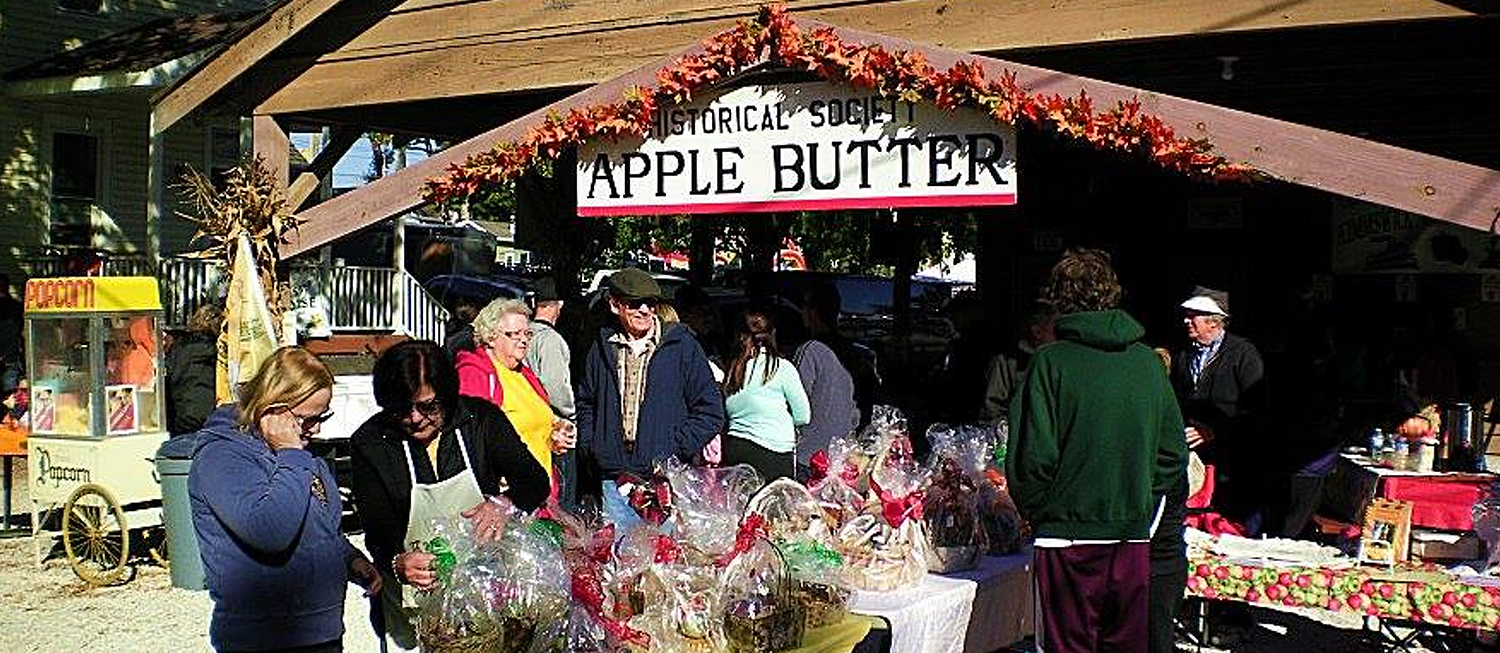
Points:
point(448, 288)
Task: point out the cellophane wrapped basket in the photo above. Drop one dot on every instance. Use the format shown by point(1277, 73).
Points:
point(760, 612)
point(883, 545)
point(956, 536)
point(707, 503)
point(799, 527)
point(510, 596)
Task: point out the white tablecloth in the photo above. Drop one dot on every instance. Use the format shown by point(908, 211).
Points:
point(975, 611)
point(932, 617)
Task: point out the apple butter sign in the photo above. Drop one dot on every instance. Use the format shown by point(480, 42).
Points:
point(799, 147)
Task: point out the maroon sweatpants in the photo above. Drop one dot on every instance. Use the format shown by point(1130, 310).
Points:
point(1091, 598)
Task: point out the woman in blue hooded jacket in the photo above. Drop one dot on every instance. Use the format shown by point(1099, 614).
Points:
point(267, 516)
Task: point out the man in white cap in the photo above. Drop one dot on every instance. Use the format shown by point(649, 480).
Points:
point(1217, 376)
point(1213, 375)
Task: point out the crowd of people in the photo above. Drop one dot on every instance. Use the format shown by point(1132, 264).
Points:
point(1101, 429)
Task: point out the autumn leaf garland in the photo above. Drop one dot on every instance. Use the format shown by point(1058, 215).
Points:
point(903, 74)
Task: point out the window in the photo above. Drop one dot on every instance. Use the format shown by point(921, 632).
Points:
point(75, 166)
point(75, 188)
point(82, 6)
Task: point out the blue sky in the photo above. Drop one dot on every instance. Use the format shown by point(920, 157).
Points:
point(351, 169)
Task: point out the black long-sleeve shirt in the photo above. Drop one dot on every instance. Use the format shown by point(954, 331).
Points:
point(382, 480)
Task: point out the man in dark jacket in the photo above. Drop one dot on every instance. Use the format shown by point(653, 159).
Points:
point(1095, 443)
point(1216, 377)
point(647, 393)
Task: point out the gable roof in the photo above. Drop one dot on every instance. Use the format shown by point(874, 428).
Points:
point(138, 49)
point(1337, 163)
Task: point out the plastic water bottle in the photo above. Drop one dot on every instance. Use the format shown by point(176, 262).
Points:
point(1402, 459)
point(1377, 443)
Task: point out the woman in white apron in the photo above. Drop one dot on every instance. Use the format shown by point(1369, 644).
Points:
point(431, 454)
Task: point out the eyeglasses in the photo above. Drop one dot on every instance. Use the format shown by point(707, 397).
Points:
point(311, 422)
point(518, 334)
point(636, 303)
point(428, 409)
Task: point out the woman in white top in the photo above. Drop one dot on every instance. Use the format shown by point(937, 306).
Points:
point(765, 401)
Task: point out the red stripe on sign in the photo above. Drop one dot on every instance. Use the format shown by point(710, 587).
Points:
point(1001, 199)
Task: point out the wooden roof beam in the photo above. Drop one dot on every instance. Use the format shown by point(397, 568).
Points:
point(302, 188)
point(1360, 168)
point(462, 49)
point(1344, 165)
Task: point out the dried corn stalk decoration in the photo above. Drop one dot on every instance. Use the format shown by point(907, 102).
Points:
point(248, 202)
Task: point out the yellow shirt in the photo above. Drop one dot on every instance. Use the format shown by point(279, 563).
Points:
point(529, 413)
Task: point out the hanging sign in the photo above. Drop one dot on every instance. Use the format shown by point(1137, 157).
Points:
point(800, 147)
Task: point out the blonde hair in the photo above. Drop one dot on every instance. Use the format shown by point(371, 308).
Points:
point(667, 314)
point(287, 378)
point(487, 322)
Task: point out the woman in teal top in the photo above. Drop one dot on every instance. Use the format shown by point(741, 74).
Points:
point(766, 402)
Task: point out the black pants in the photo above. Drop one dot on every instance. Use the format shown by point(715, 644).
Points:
point(1294, 505)
point(1168, 581)
point(771, 465)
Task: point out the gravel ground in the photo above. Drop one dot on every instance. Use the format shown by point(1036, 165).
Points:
point(47, 609)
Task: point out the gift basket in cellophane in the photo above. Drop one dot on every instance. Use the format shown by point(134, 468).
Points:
point(877, 488)
point(592, 625)
point(1002, 521)
point(799, 527)
point(956, 536)
point(707, 503)
point(507, 596)
point(760, 611)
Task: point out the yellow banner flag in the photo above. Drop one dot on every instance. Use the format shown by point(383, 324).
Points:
point(249, 336)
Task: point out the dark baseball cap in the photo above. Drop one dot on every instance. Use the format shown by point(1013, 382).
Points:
point(545, 290)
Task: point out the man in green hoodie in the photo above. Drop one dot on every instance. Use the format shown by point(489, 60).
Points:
point(1095, 443)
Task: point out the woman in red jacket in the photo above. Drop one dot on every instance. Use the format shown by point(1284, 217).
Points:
point(497, 372)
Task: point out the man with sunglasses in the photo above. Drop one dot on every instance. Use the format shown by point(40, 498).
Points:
point(647, 393)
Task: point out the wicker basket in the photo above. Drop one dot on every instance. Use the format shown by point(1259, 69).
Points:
point(776, 624)
point(826, 605)
point(511, 635)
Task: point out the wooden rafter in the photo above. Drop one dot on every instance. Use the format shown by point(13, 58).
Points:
point(279, 26)
point(459, 49)
point(402, 190)
point(1345, 165)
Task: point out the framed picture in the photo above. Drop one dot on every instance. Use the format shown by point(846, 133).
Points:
point(43, 410)
point(122, 408)
point(1387, 533)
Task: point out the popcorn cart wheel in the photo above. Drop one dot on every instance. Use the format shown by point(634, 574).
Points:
point(96, 537)
point(96, 420)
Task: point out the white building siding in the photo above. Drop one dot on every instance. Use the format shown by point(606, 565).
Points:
point(119, 121)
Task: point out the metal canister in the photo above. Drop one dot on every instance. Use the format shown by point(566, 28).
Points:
point(1459, 441)
point(1426, 454)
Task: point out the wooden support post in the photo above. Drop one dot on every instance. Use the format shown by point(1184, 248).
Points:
point(156, 171)
point(274, 147)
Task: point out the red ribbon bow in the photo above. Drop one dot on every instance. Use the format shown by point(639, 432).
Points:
point(897, 509)
point(819, 464)
point(667, 550)
point(652, 500)
point(750, 529)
